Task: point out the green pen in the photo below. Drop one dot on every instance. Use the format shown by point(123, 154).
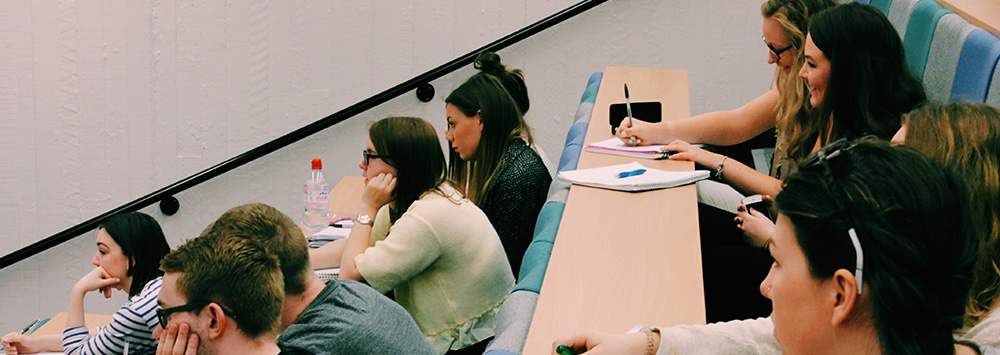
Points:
point(27, 328)
point(564, 350)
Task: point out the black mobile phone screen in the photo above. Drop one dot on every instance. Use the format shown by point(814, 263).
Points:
point(646, 111)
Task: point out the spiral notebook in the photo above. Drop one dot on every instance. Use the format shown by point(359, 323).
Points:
point(617, 147)
point(607, 177)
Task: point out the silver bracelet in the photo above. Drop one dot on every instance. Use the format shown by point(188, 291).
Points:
point(718, 172)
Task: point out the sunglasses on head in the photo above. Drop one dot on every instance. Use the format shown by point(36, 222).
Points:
point(822, 158)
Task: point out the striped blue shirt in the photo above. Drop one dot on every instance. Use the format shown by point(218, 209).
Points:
point(135, 321)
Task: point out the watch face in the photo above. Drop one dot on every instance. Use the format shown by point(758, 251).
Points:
point(364, 219)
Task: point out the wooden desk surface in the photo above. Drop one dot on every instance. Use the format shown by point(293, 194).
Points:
point(58, 323)
point(624, 258)
point(982, 13)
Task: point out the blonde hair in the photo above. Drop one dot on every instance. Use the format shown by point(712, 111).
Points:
point(795, 131)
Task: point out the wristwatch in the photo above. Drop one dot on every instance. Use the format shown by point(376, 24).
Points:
point(365, 219)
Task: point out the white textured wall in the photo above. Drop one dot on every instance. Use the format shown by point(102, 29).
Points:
point(104, 102)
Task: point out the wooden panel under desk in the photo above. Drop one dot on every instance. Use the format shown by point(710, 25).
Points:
point(624, 258)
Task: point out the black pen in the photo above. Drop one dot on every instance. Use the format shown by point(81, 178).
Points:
point(628, 106)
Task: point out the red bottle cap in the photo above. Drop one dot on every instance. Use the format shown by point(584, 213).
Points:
point(317, 164)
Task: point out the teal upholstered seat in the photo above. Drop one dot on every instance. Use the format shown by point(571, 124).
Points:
point(883, 5)
point(536, 258)
point(919, 34)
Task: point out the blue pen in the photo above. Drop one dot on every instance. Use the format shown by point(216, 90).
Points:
point(636, 172)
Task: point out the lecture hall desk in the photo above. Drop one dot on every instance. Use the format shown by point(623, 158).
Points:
point(624, 258)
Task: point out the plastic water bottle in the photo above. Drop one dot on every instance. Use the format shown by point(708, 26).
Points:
point(317, 199)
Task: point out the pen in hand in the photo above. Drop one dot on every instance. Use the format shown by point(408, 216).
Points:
point(628, 106)
point(565, 350)
point(28, 327)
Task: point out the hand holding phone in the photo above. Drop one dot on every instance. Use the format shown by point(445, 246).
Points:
point(757, 203)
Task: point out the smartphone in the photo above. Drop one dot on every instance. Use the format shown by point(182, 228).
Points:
point(646, 111)
point(757, 203)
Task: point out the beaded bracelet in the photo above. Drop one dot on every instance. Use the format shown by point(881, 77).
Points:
point(649, 339)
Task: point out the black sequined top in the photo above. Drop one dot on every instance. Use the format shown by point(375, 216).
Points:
point(514, 198)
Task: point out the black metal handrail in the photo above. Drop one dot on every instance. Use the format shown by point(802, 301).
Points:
point(295, 136)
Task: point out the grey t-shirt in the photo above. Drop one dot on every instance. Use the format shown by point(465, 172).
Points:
point(349, 317)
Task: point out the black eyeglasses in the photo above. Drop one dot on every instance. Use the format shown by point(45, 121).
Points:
point(162, 314)
point(777, 52)
point(821, 158)
point(369, 156)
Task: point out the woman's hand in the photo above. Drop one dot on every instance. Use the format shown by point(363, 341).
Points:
point(378, 192)
point(687, 151)
point(638, 133)
point(594, 343)
point(96, 279)
point(757, 228)
point(16, 343)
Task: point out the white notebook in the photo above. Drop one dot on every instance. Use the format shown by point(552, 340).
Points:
point(608, 177)
point(617, 147)
point(330, 234)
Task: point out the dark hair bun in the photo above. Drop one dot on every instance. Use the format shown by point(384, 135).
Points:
point(489, 63)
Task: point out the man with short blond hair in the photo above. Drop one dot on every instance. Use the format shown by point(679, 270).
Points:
point(341, 317)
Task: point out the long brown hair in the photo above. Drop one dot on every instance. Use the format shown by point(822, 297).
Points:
point(966, 138)
point(792, 111)
point(502, 124)
point(410, 145)
point(869, 86)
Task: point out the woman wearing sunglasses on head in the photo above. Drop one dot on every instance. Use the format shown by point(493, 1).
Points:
point(129, 249)
point(419, 237)
point(868, 260)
